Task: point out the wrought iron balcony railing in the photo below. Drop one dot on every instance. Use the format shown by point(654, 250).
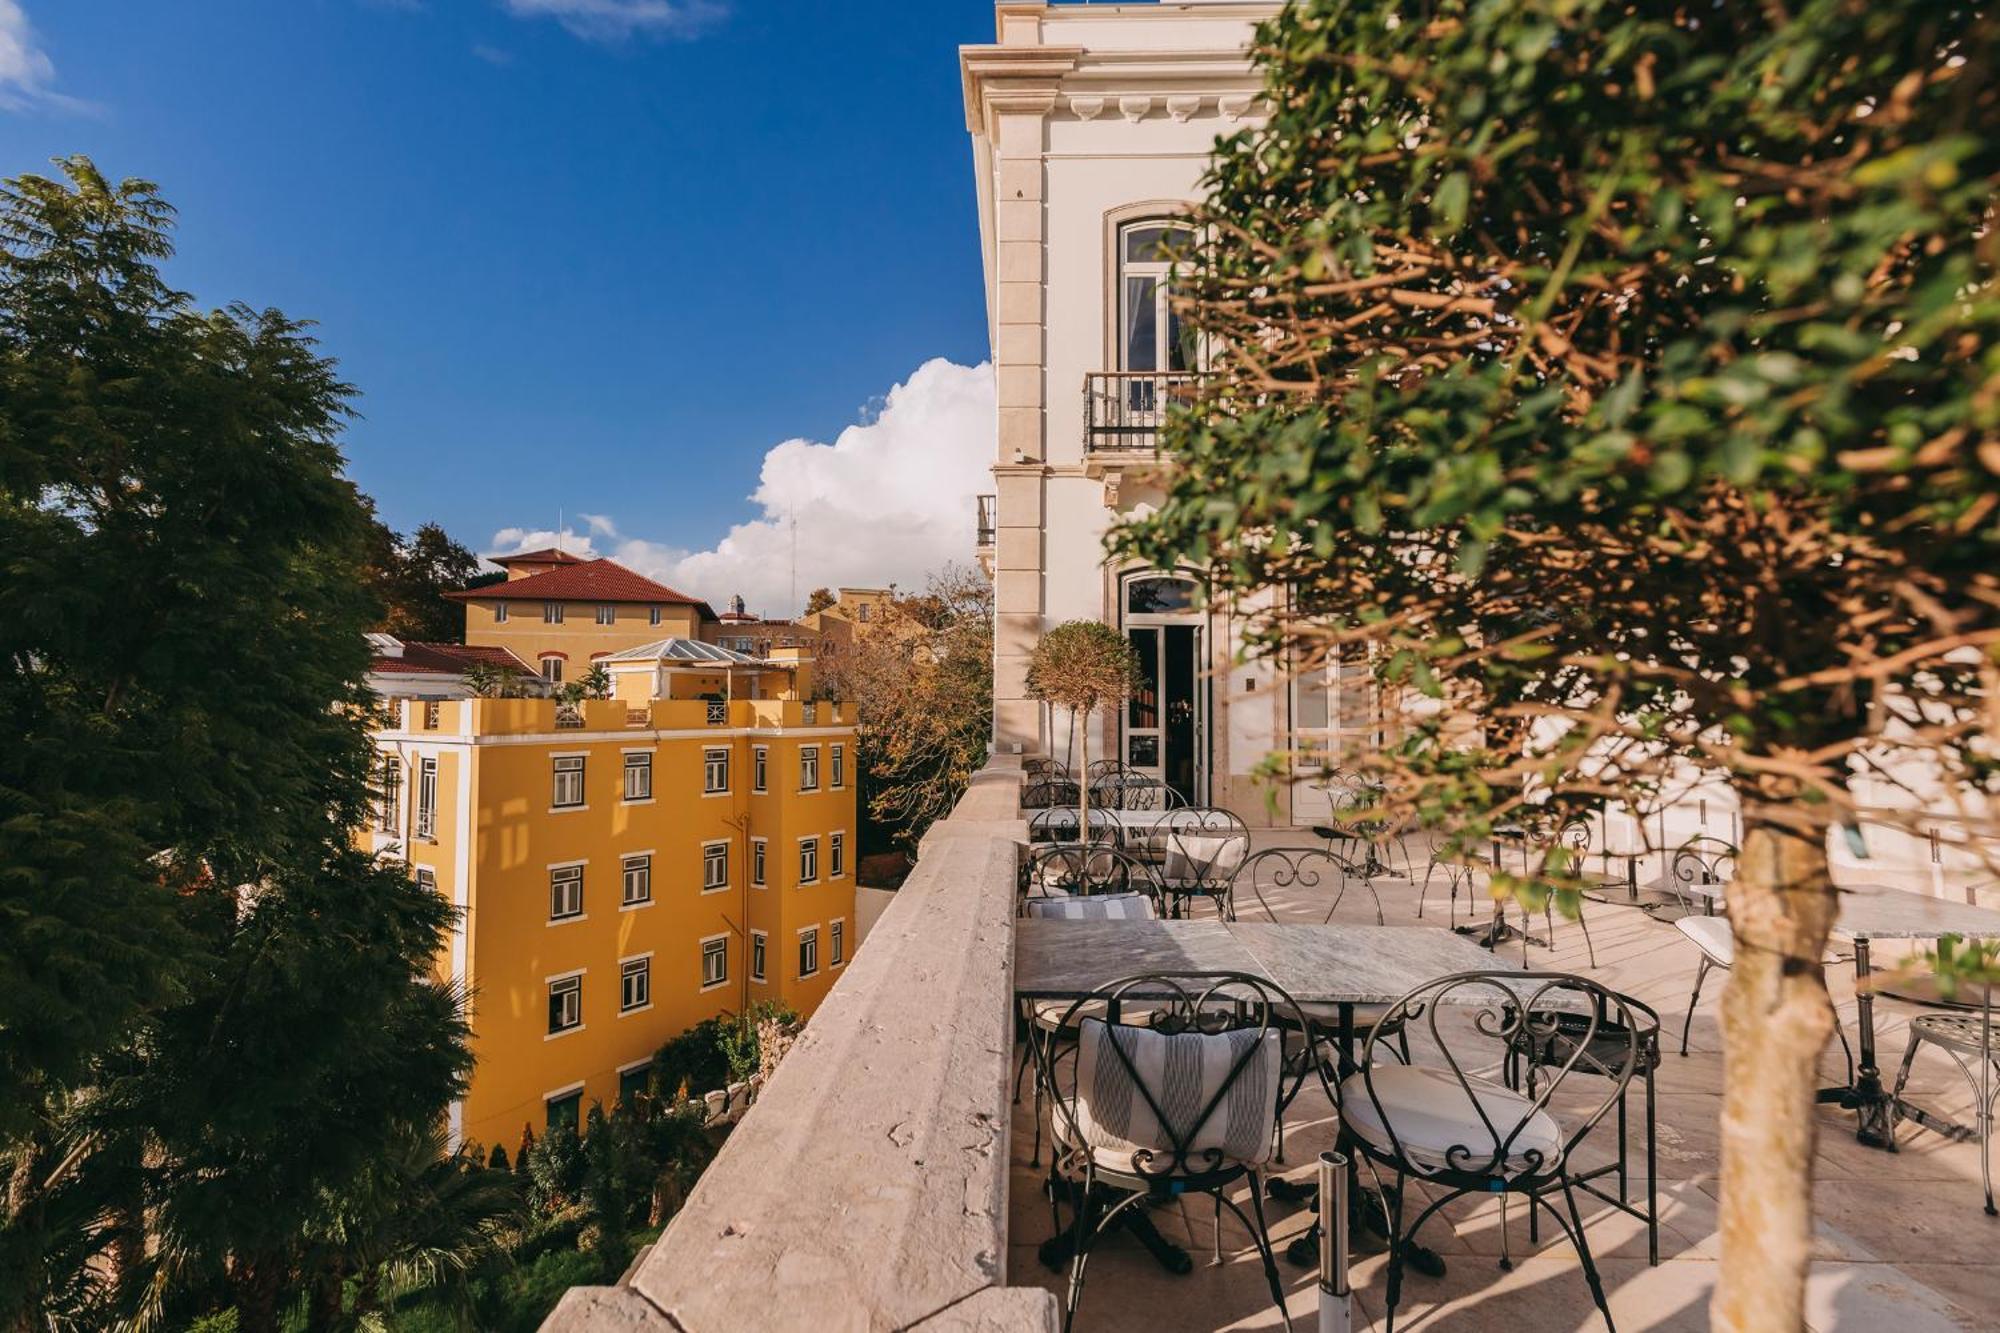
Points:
point(987, 530)
point(1123, 409)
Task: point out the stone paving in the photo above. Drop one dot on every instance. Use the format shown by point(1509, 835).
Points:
point(1903, 1242)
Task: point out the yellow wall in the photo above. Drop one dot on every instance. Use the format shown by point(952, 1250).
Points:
point(579, 637)
point(511, 948)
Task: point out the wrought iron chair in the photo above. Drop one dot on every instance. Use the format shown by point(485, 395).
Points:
point(1186, 1105)
point(1076, 882)
point(1963, 1037)
point(1347, 827)
point(1046, 791)
point(1204, 847)
point(1063, 824)
point(1602, 1053)
point(1133, 791)
point(1461, 1133)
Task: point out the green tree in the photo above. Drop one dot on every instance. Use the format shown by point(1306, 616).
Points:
point(1626, 375)
point(181, 667)
point(921, 683)
point(1082, 665)
point(411, 575)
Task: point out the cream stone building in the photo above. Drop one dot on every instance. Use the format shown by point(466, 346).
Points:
point(1091, 127)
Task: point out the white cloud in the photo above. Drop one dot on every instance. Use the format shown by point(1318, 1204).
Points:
point(616, 20)
point(889, 501)
point(27, 75)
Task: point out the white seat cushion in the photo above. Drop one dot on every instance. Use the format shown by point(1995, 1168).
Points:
point(1048, 1014)
point(1210, 859)
point(1184, 1072)
point(1711, 935)
point(1433, 1116)
point(1092, 907)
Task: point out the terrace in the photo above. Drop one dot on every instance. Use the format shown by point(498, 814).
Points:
point(883, 1181)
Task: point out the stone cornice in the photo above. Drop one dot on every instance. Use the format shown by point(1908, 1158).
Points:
point(1011, 78)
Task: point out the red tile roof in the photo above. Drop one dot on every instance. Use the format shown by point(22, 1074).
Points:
point(548, 555)
point(446, 659)
point(583, 581)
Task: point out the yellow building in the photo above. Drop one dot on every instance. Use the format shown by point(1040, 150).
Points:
point(559, 613)
point(624, 870)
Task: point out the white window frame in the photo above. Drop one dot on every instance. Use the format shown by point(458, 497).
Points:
point(638, 966)
point(389, 805)
point(709, 858)
point(644, 766)
point(760, 953)
point(563, 979)
point(759, 862)
point(427, 878)
point(552, 668)
point(808, 767)
point(427, 799)
point(760, 767)
point(836, 855)
point(552, 613)
point(652, 615)
point(808, 938)
point(717, 947)
point(556, 784)
point(607, 614)
point(837, 760)
point(1160, 272)
point(715, 770)
point(642, 863)
point(499, 613)
point(563, 869)
point(836, 942)
point(809, 859)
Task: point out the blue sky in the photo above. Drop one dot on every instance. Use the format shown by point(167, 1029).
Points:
point(596, 254)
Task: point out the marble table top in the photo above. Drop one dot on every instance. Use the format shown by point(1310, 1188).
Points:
point(1874, 911)
point(1315, 964)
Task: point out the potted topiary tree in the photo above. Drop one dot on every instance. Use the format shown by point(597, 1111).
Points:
point(1081, 665)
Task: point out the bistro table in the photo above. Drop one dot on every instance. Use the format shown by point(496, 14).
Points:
point(1877, 912)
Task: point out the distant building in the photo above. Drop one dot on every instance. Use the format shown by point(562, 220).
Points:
point(403, 669)
point(559, 612)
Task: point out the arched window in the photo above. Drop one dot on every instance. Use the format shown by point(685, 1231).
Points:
point(1150, 337)
point(1159, 595)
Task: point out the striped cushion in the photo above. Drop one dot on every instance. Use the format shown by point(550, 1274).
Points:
point(1183, 1072)
point(1094, 907)
point(1208, 858)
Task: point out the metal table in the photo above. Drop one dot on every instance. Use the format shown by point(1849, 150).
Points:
point(1877, 912)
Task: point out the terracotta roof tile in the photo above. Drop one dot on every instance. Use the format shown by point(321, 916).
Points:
point(584, 581)
point(446, 659)
point(548, 555)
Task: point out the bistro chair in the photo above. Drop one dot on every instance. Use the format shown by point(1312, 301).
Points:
point(1046, 791)
point(1076, 882)
point(1461, 1133)
point(1600, 1046)
point(1717, 943)
point(1187, 1104)
point(1133, 791)
point(1205, 846)
point(1061, 824)
point(1965, 1038)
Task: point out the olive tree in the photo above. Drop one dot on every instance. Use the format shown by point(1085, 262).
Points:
point(1625, 373)
point(1082, 665)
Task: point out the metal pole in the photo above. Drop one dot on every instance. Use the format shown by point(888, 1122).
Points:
point(1336, 1299)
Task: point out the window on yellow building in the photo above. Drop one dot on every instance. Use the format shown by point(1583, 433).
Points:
point(639, 776)
point(714, 867)
point(836, 855)
point(808, 768)
point(427, 879)
point(836, 943)
point(427, 799)
point(808, 952)
point(564, 1111)
point(389, 809)
point(715, 771)
point(839, 761)
point(759, 768)
point(632, 1082)
point(638, 878)
point(757, 862)
point(565, 892)
point(652, 615)
point(566, 1004)
point(499, 613)
point(568, 793)
point(808, 860)
point(635, 984)
point(757, 948)
point(552, 613)
point(607, 615)
point(714, 961)
point(552, 669)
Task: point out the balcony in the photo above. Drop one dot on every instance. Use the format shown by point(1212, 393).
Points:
point(883, 1180)
point(1123, 410)
point(985, 529)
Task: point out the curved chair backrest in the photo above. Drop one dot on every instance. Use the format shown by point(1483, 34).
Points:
point(1045, 768)
point(1309, 876)
point(1205, 845)
point(1069, 870)
point(1512, 1013)
point(1133, 791)
point(1137, 1089)
point(1701, 860)
point(1059, 824)
point(1098, 768)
